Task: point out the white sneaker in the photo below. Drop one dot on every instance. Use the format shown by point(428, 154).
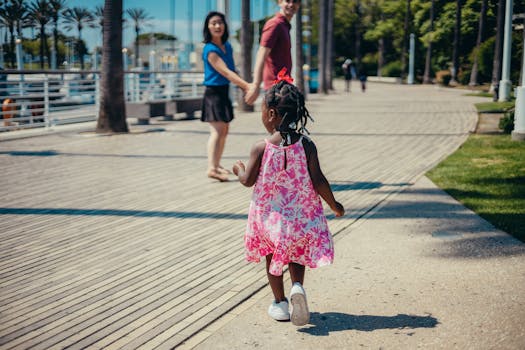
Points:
point(300, 314)
point(279, 311)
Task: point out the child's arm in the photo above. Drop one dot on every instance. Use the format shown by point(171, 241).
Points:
point(319, 181)
point(248, 174)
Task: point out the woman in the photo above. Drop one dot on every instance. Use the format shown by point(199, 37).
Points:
point(219, 71)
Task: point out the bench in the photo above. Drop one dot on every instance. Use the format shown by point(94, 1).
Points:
point(145, 110)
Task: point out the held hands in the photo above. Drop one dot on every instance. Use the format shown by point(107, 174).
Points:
point(251, 94)
point(338, 210)
point(238, 167)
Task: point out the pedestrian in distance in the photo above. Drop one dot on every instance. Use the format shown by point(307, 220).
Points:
point(349, 71)
point(286, 223)
point(219, 71)
point(362, 78)
point(274, 51)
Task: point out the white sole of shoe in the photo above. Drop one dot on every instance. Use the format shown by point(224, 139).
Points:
point(300, 314)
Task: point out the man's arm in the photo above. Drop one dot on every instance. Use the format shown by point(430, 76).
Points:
point(253, 91)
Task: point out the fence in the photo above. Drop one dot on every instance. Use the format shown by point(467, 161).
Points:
point(46, 98)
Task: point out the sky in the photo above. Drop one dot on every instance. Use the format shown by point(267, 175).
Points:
point(161, 13)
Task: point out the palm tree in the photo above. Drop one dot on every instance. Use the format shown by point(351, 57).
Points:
point(456, 45)
point(479, 40)
point(14, 14)
point(428, 59)
point(321, 66)
point(39, 15)
point(329, 44)
point(99, 15)
point(406, 32)
point(112, 112)
point(246, 49)
point(140, 18)
point(56, 8)
point(78, 17)
point(498, 49)
point(299, 57)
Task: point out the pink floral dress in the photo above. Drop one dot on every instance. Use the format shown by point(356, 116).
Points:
point(286, 216)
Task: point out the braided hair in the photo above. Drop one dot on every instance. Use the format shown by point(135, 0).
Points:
point(289, 102)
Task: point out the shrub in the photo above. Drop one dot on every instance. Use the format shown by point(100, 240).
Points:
point(392, 69)
point(485, 60)
point(506, 123)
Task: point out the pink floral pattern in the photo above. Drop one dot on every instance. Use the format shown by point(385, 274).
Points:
point(286, 216)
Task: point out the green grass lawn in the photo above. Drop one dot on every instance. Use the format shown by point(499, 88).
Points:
point(489, 107)
point(487, 175)
point(480, 94)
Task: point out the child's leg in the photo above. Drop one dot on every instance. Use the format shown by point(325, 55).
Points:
point(276, 282)
point(296, 272)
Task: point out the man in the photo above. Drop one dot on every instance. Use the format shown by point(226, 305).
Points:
point(275, 49)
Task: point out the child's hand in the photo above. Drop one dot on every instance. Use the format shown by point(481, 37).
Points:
point(339, 210)
point(238, 166)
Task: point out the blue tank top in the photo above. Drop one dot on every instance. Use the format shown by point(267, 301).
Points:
point(211, 76)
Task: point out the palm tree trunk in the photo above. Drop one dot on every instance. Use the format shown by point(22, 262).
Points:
point(406, 30)
point(428, 60)
point(479, 40)
point(246, 50)
point(321, 48)
point(357, 42)
point(329, 44)
point(80, 54)
point(380, 56)
point(456, 45)
point(12, 45)
point(498, 49)
point(112, 113)
point(137, 31)
point(299, 57)
point(55, 44)
point(42, 45)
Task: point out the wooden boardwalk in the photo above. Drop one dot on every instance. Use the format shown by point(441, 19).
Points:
point(121, 242)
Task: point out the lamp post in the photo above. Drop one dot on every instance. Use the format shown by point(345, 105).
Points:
point(410, 79)
point(505, 84)
point(19, 58)
point(125, 58)
point(518, 134)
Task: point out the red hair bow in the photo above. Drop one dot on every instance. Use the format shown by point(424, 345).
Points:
point(282, 76)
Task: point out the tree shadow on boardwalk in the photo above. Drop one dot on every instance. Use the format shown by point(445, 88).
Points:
point(339, 186)
point(53, 153)
point(122, 212)
point(324, 323)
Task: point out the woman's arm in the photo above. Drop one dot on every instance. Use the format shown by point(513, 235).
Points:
point(319, 181)
point(248, 174)
point(221, 67)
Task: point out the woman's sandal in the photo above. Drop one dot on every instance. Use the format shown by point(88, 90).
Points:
point(215, 174)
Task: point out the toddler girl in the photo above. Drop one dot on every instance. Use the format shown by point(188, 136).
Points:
point(286, 223)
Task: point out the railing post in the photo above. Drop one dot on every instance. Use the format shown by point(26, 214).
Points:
point(194, 87)
point(46, 101)
point(97, 95)
point(136, 87)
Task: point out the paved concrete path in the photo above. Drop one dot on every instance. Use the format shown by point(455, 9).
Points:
point(122, 242)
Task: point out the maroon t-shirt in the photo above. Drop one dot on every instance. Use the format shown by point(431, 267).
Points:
point(276, 36)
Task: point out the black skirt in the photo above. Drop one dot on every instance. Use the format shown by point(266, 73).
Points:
point(216, 104)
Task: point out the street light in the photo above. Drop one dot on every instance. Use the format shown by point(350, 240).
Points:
point(125, 58)
point(505, 83)
point(518, 134)
point(19, 59)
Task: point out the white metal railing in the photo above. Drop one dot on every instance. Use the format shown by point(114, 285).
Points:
point(47, 98)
